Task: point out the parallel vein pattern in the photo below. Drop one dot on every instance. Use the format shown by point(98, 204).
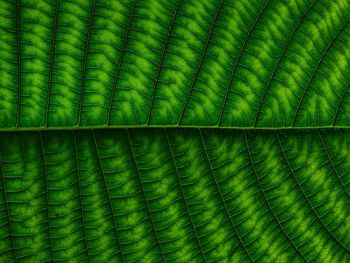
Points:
point(174, 195)
point(218, 63)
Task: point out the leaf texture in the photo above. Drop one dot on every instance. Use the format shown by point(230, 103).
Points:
point(97, 63)
point(270, 182)
point(185, 195)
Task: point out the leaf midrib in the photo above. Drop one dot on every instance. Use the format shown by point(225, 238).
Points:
point(142, 126)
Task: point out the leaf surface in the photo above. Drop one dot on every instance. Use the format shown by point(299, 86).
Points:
point(225, 131)
point(167, 194)
point(174, 63)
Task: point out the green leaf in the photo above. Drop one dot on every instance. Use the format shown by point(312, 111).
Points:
point(225, 131)
point(175, 195)
point(174, 63)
